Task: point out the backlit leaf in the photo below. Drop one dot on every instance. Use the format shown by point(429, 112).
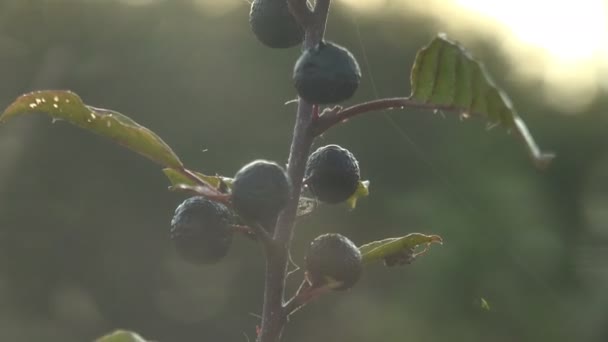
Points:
point(65, 105)
point(447, 76)
point(398, 250)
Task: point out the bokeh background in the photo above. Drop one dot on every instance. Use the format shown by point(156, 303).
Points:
point(84, 223)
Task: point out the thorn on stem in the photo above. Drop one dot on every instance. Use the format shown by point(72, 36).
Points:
point(315, 113)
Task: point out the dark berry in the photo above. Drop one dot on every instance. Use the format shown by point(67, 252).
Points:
point(332, 174)
point(201, 230)
point(260, 191)
point(333, 257)
point(326, 73)
point(274, 25)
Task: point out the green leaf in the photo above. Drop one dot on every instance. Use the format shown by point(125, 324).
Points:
point(121, 336)
point(65, 105)
point(362, 191)
point(398, 250)
point(177, 177)
point(447, 77)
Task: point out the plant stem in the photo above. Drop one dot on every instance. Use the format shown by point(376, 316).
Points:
point(274, 315)
point(333, 116)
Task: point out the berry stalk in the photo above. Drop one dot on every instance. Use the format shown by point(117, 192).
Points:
point(274, 313)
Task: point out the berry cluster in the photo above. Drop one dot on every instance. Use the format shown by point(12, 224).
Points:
point(202, 229)
point(323, 74)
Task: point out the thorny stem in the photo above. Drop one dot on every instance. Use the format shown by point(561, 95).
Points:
point(304, 295)
point(274, 313)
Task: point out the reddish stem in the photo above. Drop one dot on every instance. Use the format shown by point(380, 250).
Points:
point(333, 116)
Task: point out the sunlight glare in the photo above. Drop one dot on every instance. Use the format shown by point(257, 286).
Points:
point(569, 30)
point(563, 44)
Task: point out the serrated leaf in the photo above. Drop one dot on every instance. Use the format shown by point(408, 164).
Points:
point(121, 336)
point(66, 105)
point(177, 177)
point(362, 191)
point(446, 75)
point(395, 248)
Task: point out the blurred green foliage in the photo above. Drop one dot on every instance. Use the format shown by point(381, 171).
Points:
point(84, 223)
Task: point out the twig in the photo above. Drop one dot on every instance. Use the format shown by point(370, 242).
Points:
point(333, 116)
point(304, 295)
point(274, 315)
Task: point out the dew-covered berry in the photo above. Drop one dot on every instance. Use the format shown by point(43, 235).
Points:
point(201, 230)
point(260, 191)
point(274, 25)
point(332, 174)
point(333, 258)
point(326, 73)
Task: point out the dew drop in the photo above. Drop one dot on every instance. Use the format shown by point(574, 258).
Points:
point(56, 98)
point(55, 105)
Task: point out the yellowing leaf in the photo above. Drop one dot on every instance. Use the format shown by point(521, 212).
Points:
point(362, 191)
point(177, 177)
point(396, 250)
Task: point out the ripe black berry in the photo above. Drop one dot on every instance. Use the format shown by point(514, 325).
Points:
point(274, 25)
point(332, 174)
point(260, 191)
point(326, 73)
point(201, 230)
point(335, 257)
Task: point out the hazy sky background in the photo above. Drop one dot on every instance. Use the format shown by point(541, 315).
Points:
point(84, 222)
point(562, 44)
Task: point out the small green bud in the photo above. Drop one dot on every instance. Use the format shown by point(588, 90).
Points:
point(326, 73)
